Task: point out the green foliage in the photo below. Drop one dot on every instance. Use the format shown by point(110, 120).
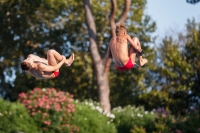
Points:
point(34, 27)
point(135, 120)
point(137, 129)
point(176, 78)
point(89, 118)
point(163, 121)
point(30, 26)
point(192, 56)
point(187, 124)
point(52, 110)
point(14, 118)
point(131, 119)
point(172, 65)
point(155, 98)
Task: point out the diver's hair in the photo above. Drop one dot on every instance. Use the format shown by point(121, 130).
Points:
point(120, 28)
point(25, 66)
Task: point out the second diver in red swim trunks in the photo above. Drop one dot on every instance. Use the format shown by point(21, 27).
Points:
point(128, 66)
point(124, 57)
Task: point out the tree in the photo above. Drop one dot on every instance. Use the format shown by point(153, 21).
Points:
point(102, 65)
point(32, 27)
point(192, 1)
point(191, 52)
point(170, 81)
point(60, 25)
point(102, 79)
point(176, 84)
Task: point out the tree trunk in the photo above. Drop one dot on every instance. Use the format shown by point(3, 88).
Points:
point(102, 78)
point(102, 67)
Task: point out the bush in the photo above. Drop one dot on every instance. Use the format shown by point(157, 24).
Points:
point(163, 121)
point(14, 118)
point(188, 124)
point(55, 112)
point(136, 120)
point(52, 110)
point(89, 118)
point(132, 120)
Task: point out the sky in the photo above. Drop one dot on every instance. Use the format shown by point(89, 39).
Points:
point(171, 15)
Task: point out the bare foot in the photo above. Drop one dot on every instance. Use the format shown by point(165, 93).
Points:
point(143, 61)
point(70, 60)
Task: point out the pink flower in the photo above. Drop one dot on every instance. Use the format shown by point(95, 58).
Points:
point(163, 115)
point(47, 122)
point(22, 95)
point(178, 131)
point(40, 104)
point(47, 106)
point(57, 109)
point(26, 102)
point(32, 92)
point(45, 114)
point(33, 113)
point(39, 99)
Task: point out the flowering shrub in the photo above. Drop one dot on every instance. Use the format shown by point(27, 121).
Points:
point(187, 124)
point(55, 111)
point(137, 129)
point(163, 120)
point(135, 120)
point(90, 118)
point(131, 119)
point(167, 123)
point(51, 109)
point(14, 118)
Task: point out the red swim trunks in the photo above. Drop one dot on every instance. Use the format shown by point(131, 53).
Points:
point(128, 66)
point(56, 74)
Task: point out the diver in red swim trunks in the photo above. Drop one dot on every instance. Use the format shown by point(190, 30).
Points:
point(123, 57)
point(46, 68)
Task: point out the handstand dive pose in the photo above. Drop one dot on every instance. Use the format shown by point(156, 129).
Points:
point(46, 68)
point(123, 57)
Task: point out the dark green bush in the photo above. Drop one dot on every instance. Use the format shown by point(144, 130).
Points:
point(14, 118)
point(188, 124)
point(90, 119)
point(131, 119)
point(135, 120)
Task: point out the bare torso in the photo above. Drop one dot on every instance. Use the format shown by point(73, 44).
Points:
point(36, 72)
point(119, 49)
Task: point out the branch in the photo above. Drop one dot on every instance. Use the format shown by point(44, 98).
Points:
point(92, 32)
point(112, 17)
point(107, 61)
point(125, 11)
